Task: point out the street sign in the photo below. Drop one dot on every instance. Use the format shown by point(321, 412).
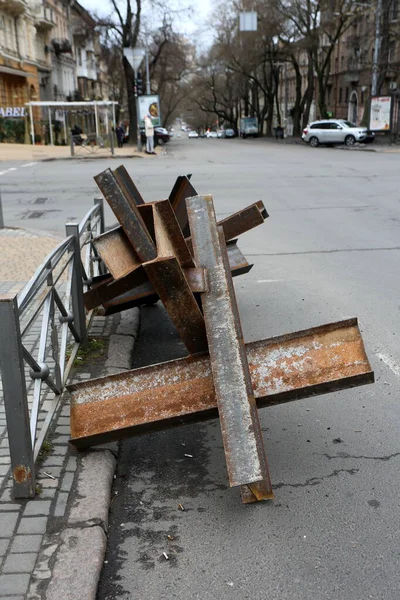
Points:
point(248, 21)
point(134, 56)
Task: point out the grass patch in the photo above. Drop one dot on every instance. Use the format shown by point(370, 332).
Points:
point(45, 450)
point(94, 349)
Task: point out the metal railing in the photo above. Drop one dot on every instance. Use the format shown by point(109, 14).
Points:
point(41, 330)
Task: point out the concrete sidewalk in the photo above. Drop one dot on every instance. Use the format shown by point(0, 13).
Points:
point(26, 152)
point(52, 547)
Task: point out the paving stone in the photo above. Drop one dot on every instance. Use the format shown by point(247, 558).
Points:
point(47, 493)
point(67, 482)
point(7, 523)
point(71, 465)
point(119, 351)
point(53, 461)
point(3, 546)
point(48, 483)
point(55, 471)
point(14, 584)
point(37, 507)
point(26, 543)
point(6, 496)
point(32, 525)
point(63, 421)
point(9, 506)
point(14, 598)
point(61, 504)
point(61, 439)
point(20, 563)
point(63, 430)
point(4, 470)
point(5, 460)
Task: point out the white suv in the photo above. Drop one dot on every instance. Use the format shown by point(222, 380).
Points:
point(335, 131)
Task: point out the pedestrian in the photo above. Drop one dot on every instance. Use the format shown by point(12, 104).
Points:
point(119, 130)
point(149, 129)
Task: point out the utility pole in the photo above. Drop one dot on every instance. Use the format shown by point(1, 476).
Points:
point(377, 47)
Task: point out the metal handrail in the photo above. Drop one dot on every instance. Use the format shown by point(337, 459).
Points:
point(53, 298)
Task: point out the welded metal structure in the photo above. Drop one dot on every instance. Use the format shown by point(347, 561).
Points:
point(176, 251)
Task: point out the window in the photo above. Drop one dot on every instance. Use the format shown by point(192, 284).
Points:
point(392, 52)
point(362, 97)
point(335, 126)
point(394, 9)
point(340, 95)
point(79, 57)
point(347, 94)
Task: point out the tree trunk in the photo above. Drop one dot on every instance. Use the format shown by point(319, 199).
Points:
point(130, 83)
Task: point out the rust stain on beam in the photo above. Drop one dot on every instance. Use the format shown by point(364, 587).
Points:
point(315, 361)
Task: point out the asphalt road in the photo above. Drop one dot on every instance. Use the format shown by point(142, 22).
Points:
point(329, 250)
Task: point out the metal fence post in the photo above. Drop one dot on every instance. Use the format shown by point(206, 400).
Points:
point(100, 203)
point(16, 400)
point(78, 307)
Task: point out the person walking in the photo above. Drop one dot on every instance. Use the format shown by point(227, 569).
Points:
point(119, 130)
point(149, 130)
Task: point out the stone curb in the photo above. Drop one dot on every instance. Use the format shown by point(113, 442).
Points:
point(73, 562)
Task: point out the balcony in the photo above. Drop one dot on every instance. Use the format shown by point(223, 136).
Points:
point(352, 76)
point(44, 20)
point(61, 46)
point(13, 7)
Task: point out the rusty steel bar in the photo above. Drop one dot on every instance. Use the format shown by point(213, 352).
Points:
point(241, 431)
point(244, 220)
point(128, 215)
point(143, 294)
point(109, 289)
point(125, 181)
point(116, 252)
point(169, 237)
point(182, 190)
point(171, 285)
point(290, 367)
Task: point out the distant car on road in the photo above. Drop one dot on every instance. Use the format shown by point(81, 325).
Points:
point(221, 133)
point(336, 131)
point(193, 134)
point(230, 133)
point(211, 134)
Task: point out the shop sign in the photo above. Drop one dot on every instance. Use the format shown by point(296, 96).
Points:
point(12, 111)
point(380, 113)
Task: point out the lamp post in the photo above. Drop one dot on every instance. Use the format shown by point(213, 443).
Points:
point(377, 47)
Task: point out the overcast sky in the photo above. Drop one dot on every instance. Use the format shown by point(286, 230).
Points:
point(195, 26)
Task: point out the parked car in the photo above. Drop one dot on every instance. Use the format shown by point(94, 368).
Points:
point(161, 136)
point(230, 133)
point(193, 134)
point(336, 131)
point(211, 134)
point(221, 133)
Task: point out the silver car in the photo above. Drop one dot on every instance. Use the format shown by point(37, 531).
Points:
point(335, 131)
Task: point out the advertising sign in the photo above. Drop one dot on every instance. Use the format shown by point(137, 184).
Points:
point(149, 105)
point(12, 111)
point(380, 113)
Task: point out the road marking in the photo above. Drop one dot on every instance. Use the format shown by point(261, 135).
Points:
point(8, 170)
point(389, 362)
point(269, 280)
point(29, 164)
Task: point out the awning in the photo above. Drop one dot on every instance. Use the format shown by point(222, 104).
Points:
point(17, 72)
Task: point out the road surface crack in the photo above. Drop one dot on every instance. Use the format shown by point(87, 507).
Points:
point(316, 480)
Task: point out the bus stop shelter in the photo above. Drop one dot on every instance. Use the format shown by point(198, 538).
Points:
point(102, 111)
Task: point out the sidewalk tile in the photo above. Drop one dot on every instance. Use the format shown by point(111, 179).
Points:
point(14, 584)
point(32, 525)
point(7, 524)
point(26, 543)
point(20, 563)
point(37, 507)
point(3, 546)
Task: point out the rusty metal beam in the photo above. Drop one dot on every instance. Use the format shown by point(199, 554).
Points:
point(128, 215)
point(116, 252)
point(124, 180)
point(182, 190)
point(290, 367)
point(240, 426)
point(170, 283)
point(143, 294)
point(105, 291)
